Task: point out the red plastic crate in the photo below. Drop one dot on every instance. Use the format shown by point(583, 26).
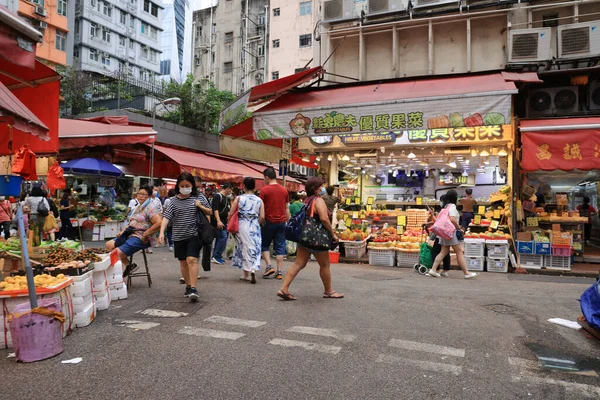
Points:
point(563, 251)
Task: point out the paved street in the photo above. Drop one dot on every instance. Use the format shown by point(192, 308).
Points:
point(396, 335)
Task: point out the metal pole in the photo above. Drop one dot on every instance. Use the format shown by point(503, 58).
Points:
point(152, 149)
point(266, 45)
point(25, 257)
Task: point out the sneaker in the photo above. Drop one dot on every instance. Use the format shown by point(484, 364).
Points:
point(279, 275)
point(471, 275)
point(253, 278)
point(194, 296)
point(215, 260)
point(182, 281)
point(149, 251)
point(445, 274)
point(127, 271)
point(433, 274)
point(134, 267)
point(170, 248)
point(268, 272)
point(188, 291)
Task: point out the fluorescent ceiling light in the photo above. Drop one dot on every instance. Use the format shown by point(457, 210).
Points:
point(502, 153)
point(465, 173)
point(346, 157)
point(484, 153)
point(411, 155)
point(452, 164)
point(330, 158)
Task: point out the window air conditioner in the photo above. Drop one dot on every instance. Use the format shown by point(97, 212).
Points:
point(40, 10)
point(553, 101)
point(579, 40)
point(339, 10)
point(529, 45)
point(594, 95)
point(42, 24)
point(386, 6)
point(432, 3)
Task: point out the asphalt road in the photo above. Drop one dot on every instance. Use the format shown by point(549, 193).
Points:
point(396, 335)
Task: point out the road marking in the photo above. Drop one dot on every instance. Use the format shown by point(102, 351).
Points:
point(153, 312)
point(235, 321)
point(139, 324)
point(211, 333)
point(321, 348)
point(322, 332)
point(571, 387)
point(427, 348)
point(426, 365)
point(534, 366)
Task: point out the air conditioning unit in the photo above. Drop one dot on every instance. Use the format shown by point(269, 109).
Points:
point(594, 95)
point(529, 45)
point(553, 101)
point(386, 6)
point(42, 24)
point(40, 10)
point(432, 3)
point(339, 10)
point(579, 40)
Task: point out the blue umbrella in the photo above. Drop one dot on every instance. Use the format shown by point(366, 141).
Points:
point(91, 166)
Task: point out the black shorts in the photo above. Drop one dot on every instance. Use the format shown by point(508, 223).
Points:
point(187, 248)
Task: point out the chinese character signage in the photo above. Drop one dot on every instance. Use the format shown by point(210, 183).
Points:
point(561, 150)
point(461, 115)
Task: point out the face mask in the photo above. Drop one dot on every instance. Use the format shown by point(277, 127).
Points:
point(230, 196)
point(323, 191)
point(155, 194)
point(185, 191)
point(2, 198)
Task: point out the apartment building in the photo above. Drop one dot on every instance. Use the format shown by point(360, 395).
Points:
point(229, 44)
point(50, 18)
point(118, 37)
point(176, 40)
point(291, 39)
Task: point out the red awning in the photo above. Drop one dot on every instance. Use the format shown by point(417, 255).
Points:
point(15, 113)
point(115, 120)
point(78, 133)
point(270, 90)
point(243, 130)
point(392, 91)
point(210, 169)
point(561, 144)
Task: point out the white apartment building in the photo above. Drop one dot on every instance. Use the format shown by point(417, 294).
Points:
point(118, 37)
point(229, 44)
point(291, 39)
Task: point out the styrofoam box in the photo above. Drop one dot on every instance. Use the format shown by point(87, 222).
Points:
point(104, 264)
point(82, 303)
point(474, 248)
point(79, 278)
point(118, 292)
point(497, 265)
point(475, 263)
point(114, 275)
point(100, 283)
point(498, 249)
point(85, 317)
point(102, 303)
point(82, 288)
point(531, 261)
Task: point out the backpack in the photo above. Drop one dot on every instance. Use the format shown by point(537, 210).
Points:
point(53, 208)
point(42, 208)
point(293, 228)
point(443, 227)
point(204, 227)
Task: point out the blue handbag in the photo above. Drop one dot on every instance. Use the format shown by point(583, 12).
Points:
point(590, 305)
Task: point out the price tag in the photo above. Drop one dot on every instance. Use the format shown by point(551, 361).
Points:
point(532, 221)
point(355, 215)
point(402, 220)
point(346, 219)
point(496, 214)
point(348, 201)
point(370, 200)
point(369, 208)
point(399, 230)
point(494, 224)
point(481, 210)
point(419, 201)
point(477, 220)
point(357, 200)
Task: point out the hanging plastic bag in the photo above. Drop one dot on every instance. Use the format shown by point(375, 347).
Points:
point(24, 164)
point(50, 224)
point(56, 177)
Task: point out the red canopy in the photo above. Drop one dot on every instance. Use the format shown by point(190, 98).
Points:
point(18, 39)
point(108, 131)
point(15, 113)
point(270, 90)
point(561, 144)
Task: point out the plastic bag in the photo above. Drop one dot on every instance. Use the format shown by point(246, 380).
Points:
point(24, 164)
point(50, 223)
point(590, 305)
point(56, 177)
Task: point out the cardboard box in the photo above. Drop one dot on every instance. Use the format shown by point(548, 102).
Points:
point(556, 227)
point(524, 236)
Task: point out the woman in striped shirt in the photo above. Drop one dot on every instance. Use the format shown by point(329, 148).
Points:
point(187, 245)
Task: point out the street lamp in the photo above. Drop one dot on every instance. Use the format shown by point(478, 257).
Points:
point(170, 101)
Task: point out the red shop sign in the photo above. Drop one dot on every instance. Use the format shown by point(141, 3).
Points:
point(561, 150)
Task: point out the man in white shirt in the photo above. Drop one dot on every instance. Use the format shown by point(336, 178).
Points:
point(133, 203)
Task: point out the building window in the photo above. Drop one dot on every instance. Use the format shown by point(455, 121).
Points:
point(153, 32)
point(306, 40)
point(94, 55)
point(152, 55)
point(262, 18)
point(94, 30)
point(151, 8)
point(212, 58)
point(550, 20)
point(61, 8)
point(131, 44)
point(275, 75)
point(106, 35)
point(132, 22)
point(144, 28)
point(154, 10)
point(122, 41)
point(276, 43)
point(106, 59)
point(276, 12)
point(145, 52)
point(261, 50)
point(38, 2)
point(198, 32)
point(94, 3)
point(299, 70)
point(77, 26)
point(61, 40)
point(228, 37)
point(228, 67)
point(76, 52)
point(306, 8)
point(107, 9)
point(123, 18)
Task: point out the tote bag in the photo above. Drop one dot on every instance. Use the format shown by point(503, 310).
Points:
point(234, 220)
point(443, 227)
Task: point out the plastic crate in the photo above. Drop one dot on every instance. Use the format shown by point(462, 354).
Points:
point(475, 263)
point(474, 248)
point(407, 258)
point(497, 265)
point(498, 249)
point(355, 250)
point(542, 248)
point(525, 247)
point(563, 251)
point(532, 261)
point(382, 258)
point(557, 262)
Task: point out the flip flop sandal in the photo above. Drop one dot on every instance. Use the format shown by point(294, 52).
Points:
point(332, 295)
point(286, 296)
point(244, 279)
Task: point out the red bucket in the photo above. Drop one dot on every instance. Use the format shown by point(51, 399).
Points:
point(334, 257)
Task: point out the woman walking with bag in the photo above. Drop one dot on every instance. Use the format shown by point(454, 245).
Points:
point(315, 233)
point(456, 241)
point(248, 238)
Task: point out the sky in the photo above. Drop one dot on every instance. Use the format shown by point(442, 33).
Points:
point(201, 4)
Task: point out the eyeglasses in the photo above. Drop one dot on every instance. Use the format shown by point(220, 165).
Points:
point(143, 194)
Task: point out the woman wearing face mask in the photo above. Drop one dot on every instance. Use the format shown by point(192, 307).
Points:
point(318, 209)
point(187, 245)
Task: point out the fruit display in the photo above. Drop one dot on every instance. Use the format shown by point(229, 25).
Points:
point(40, 281)
point(97, 250)
point(86, 255)
point(539, 237)
point(60, 256)
point(12, 244)
point(355, 235)
point(488, 235)
point(416, 218)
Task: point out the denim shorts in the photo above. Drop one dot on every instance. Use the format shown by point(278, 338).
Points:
point(274, 232)
point(133, 245)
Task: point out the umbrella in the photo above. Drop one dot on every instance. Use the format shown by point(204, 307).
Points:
point(91, 166)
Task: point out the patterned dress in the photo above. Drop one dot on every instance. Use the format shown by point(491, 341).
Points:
point(248, 240)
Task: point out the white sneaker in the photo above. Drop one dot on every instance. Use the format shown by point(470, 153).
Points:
point(170, 248)
point(471, 275)
point(433, 274)
point(445, 274)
